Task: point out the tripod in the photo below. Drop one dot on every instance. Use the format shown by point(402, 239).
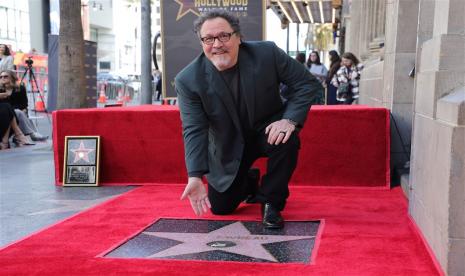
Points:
point(32, 81)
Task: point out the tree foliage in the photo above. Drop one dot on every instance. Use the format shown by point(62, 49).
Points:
point(319, 37)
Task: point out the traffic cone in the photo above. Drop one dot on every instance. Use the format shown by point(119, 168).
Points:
point(102, 98)
point(127, 97)
point(119, 99)
point(40, 106)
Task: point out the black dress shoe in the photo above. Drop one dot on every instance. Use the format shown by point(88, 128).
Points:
point(253, 178)
point(271, 217)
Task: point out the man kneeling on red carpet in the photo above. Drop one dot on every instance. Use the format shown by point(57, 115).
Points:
point(232, 114)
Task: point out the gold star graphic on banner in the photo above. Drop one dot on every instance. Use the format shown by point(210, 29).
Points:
point(186, 6)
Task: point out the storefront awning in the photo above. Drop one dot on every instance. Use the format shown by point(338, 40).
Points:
point(306, 11)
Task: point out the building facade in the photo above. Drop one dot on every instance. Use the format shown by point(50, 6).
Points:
point(414, 52)
point(116, 27)
point(15, 29)
point(114, 24)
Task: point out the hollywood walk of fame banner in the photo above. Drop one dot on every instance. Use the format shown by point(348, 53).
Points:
point(180, 45)
point(82, 155)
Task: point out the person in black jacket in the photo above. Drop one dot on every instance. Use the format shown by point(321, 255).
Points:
point(232, 114)
point(17, 97)
point(335, 64)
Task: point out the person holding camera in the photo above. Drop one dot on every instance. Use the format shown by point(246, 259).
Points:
point(6, 59)
point(17, 98)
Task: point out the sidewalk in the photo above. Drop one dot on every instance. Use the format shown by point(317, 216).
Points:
point(29, 199)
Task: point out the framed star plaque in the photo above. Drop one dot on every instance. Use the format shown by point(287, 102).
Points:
point(81, 160)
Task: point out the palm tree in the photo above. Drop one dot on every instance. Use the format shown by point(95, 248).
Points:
point(323, 36)
point(71, 80)
point(310, 37)
point(319, 37)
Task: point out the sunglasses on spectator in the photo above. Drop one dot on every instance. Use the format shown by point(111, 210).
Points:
point(4, 76)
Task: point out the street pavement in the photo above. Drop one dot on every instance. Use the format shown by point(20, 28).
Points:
point(29, 199)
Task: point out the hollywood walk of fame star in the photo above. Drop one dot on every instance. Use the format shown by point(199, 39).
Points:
point(233, 238)
point(185, 7)
point(81, 153)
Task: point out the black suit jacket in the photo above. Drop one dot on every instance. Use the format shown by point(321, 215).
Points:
point(213, 137)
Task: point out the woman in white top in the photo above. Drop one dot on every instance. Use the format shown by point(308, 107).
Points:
point(316, 68)
point(6, 59)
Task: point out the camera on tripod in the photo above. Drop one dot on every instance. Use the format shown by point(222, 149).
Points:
point(33, 85)
point(29, 61)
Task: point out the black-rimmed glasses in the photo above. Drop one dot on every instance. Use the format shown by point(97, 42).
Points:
point(223, 37)
point(4, 76)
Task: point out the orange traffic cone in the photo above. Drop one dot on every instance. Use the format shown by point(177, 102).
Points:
point(120, 99)
point(102, 98)
point(40, 106)
point(126, 97)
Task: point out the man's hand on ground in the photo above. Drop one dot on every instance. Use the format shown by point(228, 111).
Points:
point(279, 131)
point(197, 194)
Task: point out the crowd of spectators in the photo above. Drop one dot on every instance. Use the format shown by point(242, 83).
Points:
point(341, 80)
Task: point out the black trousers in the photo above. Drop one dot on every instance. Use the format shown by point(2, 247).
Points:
point(7, 113)
point(282, 161)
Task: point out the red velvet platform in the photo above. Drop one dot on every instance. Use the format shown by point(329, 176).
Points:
point(341, 145)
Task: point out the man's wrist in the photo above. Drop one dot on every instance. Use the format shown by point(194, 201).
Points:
point(294, 123)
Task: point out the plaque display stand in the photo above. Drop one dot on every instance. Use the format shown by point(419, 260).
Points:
point(81, 162)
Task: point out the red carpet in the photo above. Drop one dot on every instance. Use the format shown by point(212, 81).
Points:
point(341, 145)
point(366, 232)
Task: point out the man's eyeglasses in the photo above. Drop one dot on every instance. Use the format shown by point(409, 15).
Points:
point(4, 77)
point(223, 37)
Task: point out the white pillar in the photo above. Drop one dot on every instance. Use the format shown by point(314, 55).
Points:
point(437, 174)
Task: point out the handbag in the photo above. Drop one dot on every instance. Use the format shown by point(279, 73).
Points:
point(344, 89)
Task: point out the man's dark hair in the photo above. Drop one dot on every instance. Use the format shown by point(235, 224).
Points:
point(215, 13)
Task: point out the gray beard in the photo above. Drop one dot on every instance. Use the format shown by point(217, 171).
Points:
point(222, 63)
